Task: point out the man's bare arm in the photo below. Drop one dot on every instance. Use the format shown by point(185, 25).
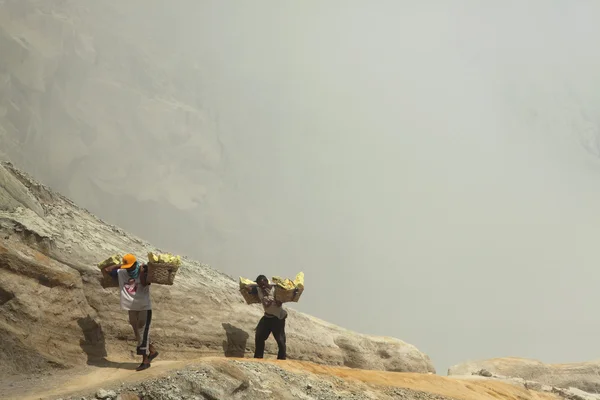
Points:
point(112, 267)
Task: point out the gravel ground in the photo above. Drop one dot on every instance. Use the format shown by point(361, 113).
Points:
point(248, 380)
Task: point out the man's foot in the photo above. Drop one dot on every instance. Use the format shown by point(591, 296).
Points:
point(143, 366)
point(152, 356)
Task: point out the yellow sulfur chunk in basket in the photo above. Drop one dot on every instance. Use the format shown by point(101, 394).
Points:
point(164, 258)
point(251, 298)
point(287, 290)
point(110, 261)
point(162, 268)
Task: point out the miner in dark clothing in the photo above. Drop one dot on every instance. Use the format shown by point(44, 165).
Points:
point(273, 321)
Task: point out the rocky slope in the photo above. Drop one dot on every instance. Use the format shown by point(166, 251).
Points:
point(53, 310)
point(584, 376)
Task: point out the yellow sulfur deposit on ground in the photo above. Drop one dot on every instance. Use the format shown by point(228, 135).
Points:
point(110, 261)
point(164, 258)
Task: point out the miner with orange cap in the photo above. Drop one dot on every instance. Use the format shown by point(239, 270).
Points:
point(135, 298)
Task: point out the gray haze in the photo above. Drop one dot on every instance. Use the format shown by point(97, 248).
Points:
point(431, 166)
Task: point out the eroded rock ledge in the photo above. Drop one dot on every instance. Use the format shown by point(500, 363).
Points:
point(576, 381)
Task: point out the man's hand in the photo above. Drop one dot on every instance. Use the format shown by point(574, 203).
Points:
point(266, 301)
point(112, 267)
point(251, 288)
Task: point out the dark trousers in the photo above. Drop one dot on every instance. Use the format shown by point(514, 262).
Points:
point(265, 327)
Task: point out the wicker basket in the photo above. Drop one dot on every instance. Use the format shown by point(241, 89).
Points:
point(161, 273)
point(288, 295)
point(251, 298)
point(108, 281)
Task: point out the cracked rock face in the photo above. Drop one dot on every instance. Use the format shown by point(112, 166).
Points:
point(54, 312)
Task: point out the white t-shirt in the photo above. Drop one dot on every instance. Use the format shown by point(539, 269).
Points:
point(134, 295)
point(271, 308)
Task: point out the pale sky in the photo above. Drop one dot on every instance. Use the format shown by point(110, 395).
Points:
point(421, 162)
point(425, 163)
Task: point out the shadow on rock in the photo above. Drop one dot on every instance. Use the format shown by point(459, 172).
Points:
point(235, 345)
point(94, 345)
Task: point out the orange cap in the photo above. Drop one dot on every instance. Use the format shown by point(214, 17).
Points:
point(128, 261)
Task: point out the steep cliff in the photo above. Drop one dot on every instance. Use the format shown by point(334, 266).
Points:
point(53, 310)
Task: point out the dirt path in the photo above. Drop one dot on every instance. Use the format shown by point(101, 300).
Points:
point(89, 379)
